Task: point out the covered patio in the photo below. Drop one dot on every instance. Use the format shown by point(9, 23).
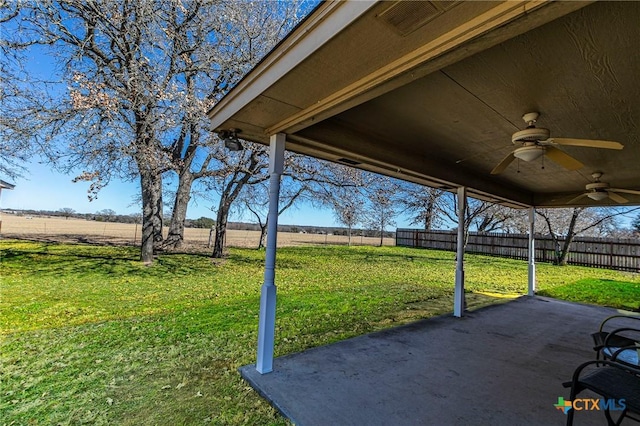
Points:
point(499, 365)
point(523, 103)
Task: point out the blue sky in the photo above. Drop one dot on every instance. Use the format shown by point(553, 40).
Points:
point(45, 189)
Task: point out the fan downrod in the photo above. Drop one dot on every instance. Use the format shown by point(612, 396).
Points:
point(530, 118)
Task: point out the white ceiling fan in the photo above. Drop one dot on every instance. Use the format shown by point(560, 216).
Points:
point(598, 191)
point(536, 142)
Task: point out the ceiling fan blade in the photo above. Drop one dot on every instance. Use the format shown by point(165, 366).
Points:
point(626, 191)
point(562, 158)
point(578, 198)
point(503, 164)
point(590, 143)
point(617, 198)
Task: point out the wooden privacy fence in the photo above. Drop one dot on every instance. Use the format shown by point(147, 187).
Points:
point(612, 253)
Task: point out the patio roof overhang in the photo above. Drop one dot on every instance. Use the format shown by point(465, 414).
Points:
point(6, 185)
point(431, 92)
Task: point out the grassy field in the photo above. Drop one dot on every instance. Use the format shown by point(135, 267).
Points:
point(89, 335)
point(60, 229)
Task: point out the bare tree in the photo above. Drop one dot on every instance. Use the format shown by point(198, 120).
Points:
point(107, 215)
point(105, 115)
point(255, 199)
point(13, 94)
point(489, 217)
point(246, 167)
point(348, 211)
point(566, 224)
point(249, 30)
point(342, 191)
point(635, 225)
point(482, 216)
point(422, 204)
point(304, 179)
point(133, 85)
point(382, 204)
point(67, 212)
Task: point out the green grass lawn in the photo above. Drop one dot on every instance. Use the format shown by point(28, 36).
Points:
point(90, 335)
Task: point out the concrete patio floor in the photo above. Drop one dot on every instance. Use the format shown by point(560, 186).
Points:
point(499, 365)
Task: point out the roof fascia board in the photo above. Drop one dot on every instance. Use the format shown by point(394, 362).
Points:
point(6, 185)
point(494, 18)
point(311, 147)
point(405, 168)
point(327, 21)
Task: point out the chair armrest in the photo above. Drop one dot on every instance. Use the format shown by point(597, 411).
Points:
point(632, 317)
point(610, 339)
point(611, 363)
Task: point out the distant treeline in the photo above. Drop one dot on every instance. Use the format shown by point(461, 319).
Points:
point(202, 222)
point(104, 216)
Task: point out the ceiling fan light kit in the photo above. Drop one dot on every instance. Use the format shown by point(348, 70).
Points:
point(529, 153)
point(597, 196)
point(536, 142)
point(598, 191)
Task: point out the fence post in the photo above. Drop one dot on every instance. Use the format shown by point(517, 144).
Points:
point(545, 248)
point(611, 257)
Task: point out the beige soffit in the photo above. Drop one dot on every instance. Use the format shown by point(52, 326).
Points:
point(327, 21)
point(490, 20)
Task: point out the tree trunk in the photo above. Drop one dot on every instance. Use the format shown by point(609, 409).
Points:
point(221, 229)
point(158, 220)
point(150, 184)
point(230, 193)
point(211, 233)
point(263, 235)
point(564, 252)
point(428, 220)
point(349, 235)
point(183, 195)
point(571, 233)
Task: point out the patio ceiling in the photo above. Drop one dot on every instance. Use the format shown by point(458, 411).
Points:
point(431, 92)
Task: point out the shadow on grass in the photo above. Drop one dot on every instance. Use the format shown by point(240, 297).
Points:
point(67, 259)
point(370, 253)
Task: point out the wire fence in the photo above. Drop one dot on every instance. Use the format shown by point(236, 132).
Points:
point(57, 228)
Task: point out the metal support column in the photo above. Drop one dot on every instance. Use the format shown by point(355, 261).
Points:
point(267, 322)
point(532, 252)
point(458, 295)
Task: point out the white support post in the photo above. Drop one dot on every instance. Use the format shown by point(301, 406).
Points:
point(267, 321)
point(458, 295)
point(532, 252)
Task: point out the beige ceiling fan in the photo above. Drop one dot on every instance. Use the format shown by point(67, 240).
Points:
point(536, 141)
point(598, 191)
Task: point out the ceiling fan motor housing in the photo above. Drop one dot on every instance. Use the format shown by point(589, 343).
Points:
point(597, 186)
point(531, 134)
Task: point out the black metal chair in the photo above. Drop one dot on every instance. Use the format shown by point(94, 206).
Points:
point(620, 347)
point(617, 383)
point(615, 373)
point(626, 333)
